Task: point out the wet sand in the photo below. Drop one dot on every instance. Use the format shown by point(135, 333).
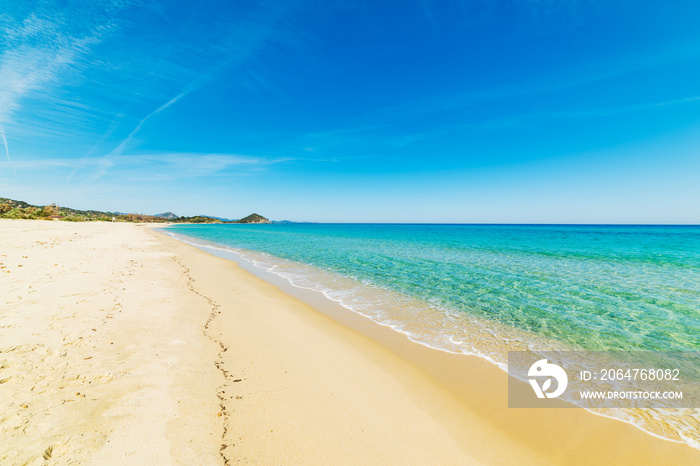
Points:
point(120, 345)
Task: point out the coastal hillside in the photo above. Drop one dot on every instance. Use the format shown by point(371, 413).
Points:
point(14, 209)
point(167, 215)
point(254, 218)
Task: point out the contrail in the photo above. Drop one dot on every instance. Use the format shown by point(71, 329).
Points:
point(120, 148)
point(117, 151)
point(7, 151)
point(193, 86)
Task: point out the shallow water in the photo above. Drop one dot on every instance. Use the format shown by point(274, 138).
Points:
point(488, 289)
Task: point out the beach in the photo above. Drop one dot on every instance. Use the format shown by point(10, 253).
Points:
point(121, 345)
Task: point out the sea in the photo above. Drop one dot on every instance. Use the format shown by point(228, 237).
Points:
point(485, 290)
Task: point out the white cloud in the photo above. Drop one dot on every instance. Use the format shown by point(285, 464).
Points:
point(37, 49)
point(198, 164)
point(7, 151)
point(146, 166)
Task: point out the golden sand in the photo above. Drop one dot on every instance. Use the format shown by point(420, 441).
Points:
point(120, 345)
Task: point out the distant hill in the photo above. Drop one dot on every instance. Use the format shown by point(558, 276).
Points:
point(197, 219)
point(168, 215)
point(253, 218)
point(13, 203)
point(10, 208)
point(287, 222)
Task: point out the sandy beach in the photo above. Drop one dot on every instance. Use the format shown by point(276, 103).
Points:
point(120, 345)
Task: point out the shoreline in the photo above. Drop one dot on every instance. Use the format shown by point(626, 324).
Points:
point(292, 383)
point(445, 367)
point(393, 338)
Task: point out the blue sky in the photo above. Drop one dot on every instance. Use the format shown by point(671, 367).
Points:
point(349, 111)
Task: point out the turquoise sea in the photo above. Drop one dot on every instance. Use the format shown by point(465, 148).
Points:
point(487, 289)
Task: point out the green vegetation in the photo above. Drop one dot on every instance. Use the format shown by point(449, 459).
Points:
point(253, 218)
point(10, 208)
point(197, 219)
point(167, 215)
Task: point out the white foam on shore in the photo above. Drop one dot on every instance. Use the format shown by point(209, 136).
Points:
point(430, 325)
point(385, 307)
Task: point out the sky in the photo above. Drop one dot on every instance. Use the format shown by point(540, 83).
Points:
point(482, 111)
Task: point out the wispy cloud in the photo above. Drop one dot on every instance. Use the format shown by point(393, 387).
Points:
point(237, 44)
point(120, 148)
point(7, 151)
point(39, 47)
point(162, 166)
point(50, 51)
point(198, 164)
point(195, 84)
point(39, 50)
